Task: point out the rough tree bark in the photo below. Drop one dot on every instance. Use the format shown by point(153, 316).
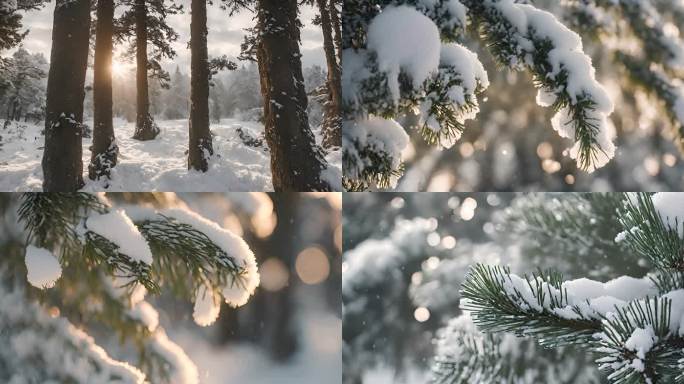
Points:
point(200, 145)
point(296, 160)
point(145, 128)
point(62, 164)
point(104, 149)
point(332, 125)
point(337, 27)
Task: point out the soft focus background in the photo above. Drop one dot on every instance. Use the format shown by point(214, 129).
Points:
point(406, 255)
point(289, 332)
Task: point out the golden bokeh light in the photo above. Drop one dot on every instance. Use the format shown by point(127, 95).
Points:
point(312, 265)
point(274, 275)
point(421, 314)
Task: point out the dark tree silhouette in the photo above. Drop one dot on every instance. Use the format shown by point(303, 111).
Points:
point(145, 128)
point(104, 149)
point(144, 23)
point(296, 160)
point(62, 164)
point(332, 125)
point(200, 145)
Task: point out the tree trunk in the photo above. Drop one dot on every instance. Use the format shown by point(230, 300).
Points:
point(337, 28)
point(332, 124)
point(145, 128)
point(104, 150)
point(62, 164)
point(200, 146)
point(296, 160)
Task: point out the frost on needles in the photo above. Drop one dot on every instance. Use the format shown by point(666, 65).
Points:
point(634, 326)
point(101, 261)
point(404, 58)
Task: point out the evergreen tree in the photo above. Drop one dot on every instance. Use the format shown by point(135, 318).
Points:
point(145, 22)
point(62, 163)
point(297, 163)
point(177, 96)
point(332, 130)
point(337, 26)
point(145, 128)
point(104, 150)
point(631, 325)
point(243, 93)
point(22, 85)
point(76, 263)
point(387, 77)
point(200, 147)
point(11, 33)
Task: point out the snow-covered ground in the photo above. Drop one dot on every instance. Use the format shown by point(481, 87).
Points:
point(158, 165)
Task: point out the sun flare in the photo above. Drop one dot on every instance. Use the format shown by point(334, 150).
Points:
point(118, 69)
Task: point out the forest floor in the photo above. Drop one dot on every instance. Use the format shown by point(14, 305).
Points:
point(157, 165)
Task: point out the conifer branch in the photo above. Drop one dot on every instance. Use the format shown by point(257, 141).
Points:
point(647, 234)
point(502, 302)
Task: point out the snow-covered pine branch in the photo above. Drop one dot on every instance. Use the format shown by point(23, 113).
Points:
point(146, 246)
point(653, 52)
point(634, 325)
point(466, 355)
point(63, 352)
point(126, 304)
point(389, 73)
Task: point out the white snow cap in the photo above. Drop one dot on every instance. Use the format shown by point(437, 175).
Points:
point(236, 293)
point(184, 371)
point(206, 309)
point(118, 228)
point(566, 56)
point(146, 314)
point(670, 207)
point(592, 298)
point(404, 40)
point(383, 135)
point(43, 267)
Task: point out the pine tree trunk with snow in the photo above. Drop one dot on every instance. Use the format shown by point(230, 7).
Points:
point(145, 128)
point(296, 160)
point(332, 125)
point(62, 164)
point(104, 149)
point(200, 146)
